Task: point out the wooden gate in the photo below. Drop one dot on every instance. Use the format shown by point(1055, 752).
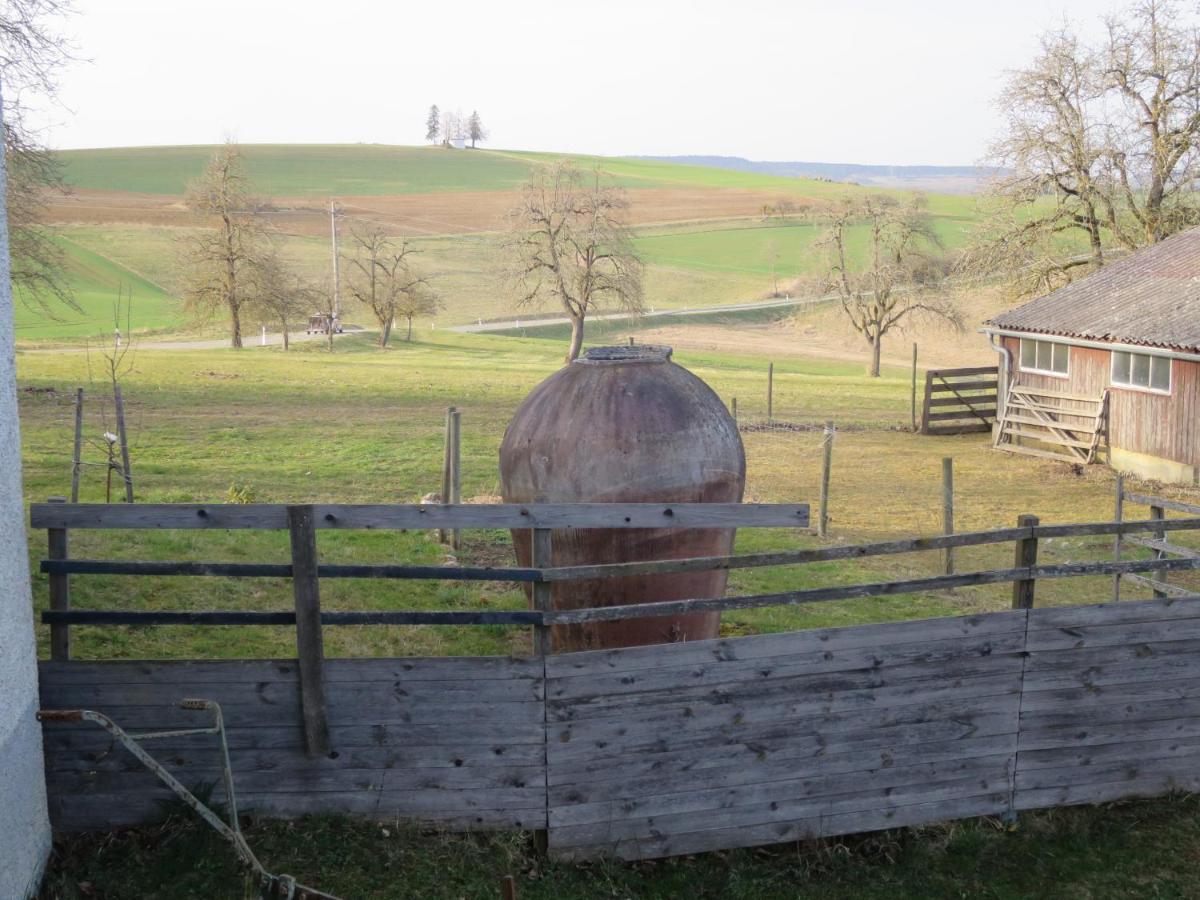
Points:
point(959, 401)
point(1069, 426)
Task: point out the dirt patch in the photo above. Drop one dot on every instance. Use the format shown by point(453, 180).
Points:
point(408, 214)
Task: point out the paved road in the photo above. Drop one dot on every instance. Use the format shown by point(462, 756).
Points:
point(659, 313)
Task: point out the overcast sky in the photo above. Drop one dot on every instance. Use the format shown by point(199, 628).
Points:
point(847, 81)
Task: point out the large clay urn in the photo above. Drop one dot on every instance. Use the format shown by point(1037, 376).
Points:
point(626, 425)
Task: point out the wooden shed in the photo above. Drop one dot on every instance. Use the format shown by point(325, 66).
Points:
point(1108, 367)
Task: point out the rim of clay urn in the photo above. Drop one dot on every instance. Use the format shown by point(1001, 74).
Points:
point(623, 355)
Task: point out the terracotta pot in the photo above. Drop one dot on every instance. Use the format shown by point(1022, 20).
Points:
point(626, 425)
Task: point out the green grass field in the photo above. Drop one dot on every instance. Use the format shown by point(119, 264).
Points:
point(95, 280)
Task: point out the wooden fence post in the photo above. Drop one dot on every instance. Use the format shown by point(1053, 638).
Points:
point(126, 472)
point(542, 558)
point(1026, 556)
point(914, 388)
point(446, 457)
point(948, 509)
point(1158, 576)
point(77, 454)
point(770, 392)
point(455, 469)
point(60, 590)
point(826, 465)
point(928, 400)
point(310, 646)
point(733, 408)
point(1118, 517)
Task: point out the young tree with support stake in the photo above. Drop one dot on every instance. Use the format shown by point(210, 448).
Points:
point(900, 278)
point(567, 241)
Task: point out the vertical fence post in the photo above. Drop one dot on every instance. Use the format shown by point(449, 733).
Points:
point(455, 469)
point(928, 400)
point(826, 465)
point(733, 409)
point(948, 509)
point(770, 392)
point(446, 456)
point(77, 454)
point(310, 646)
point(60, 590)
point(1026, 557)
point(914, 388)
point(542, 559)
point(1158, 576)
point(1118, 517)
point(126, 472)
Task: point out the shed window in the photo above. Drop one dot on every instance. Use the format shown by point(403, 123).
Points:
point(1044, 356)
point(1140, 370)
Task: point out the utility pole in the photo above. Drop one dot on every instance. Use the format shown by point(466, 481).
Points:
point(337, 297)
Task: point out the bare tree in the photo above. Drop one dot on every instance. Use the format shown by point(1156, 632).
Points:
point(567, 241)
point(1152, 65)
point(32, 53)
point(433, 124)
point(280, 296)
point(418, 299)
point(475, 129)
point(900, 276)
point(218, 260)
point(381, 276)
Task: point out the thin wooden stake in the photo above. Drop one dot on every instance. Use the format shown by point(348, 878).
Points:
point(733, 408)
point(826, 465)
point(925, 405)
point(948, 509)
point(446, 456)
point(77, 454)
point(455, 469)
point(60, 590)
point(1118, 516)
point(1026, 556)
point(310, 645)
point(770, 392)
point(914, 388)
point(1158, 512)
point(126, 472)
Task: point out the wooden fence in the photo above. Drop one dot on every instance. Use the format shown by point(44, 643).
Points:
point(649, 751)
point(1156, 542)
point(959, 401)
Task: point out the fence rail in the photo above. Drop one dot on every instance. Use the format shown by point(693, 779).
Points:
point(960, 401)
point(1163, 549)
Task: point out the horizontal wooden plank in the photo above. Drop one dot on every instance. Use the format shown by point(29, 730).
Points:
point(988, 412)
point(1129, 612)
point(186, 671)
point(1087, 757)
point(1164, 502)
point(1026, 450)
point(820, 640)
point(1164, 547)
point(1076, 637)
point(804, 784)
point(1088, 428)
point(280, 570)
point(234, 617)
point(1031, 390)
point(961, 372)
point(1091, 700)
point(976, 384)
point(1110, 714)
point(1160, 587)
point(969, 399)
point(938, 430)
point(400, 517)
point(1154, 785)
point(1045, 437)
point(1079, 735)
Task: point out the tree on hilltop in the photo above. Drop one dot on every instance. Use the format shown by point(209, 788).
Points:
point(567, 241)
point(902, 273)
point(433, 124)
point(218, 260)
point(475, 129)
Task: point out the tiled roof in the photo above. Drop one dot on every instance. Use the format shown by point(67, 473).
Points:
point(1151, 297)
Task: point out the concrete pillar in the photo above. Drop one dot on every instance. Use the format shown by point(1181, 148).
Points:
point(25, 833)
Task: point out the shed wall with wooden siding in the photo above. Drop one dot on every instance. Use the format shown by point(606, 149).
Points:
point(1159, 425)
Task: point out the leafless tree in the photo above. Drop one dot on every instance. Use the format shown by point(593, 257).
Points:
point(1100, 149)
point(901, 272)
point(567, 241)
point(32, 53)
point(1152, 65)
point(279, 295)
point(418, 299)
point(218, 260)
point(381, 276)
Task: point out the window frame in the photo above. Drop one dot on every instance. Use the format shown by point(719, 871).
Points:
point(1147, 388)
point(1050, 373)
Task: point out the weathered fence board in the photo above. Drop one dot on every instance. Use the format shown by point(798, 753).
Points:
point(783, 735)
point(965, 400)
point(453, 741)
point(1111, 703)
